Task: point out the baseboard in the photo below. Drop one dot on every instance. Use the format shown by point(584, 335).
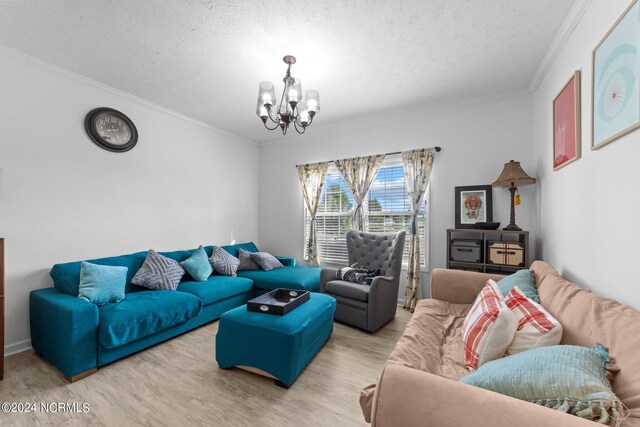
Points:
point(17, 347)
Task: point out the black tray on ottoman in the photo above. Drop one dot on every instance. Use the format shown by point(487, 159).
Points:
point(278, 301)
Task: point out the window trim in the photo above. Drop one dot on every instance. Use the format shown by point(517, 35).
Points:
point(425, 237)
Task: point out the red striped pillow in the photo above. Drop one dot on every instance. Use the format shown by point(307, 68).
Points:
point(489, 327)
point(536, 327)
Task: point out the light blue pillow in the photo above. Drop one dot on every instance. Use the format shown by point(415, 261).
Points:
point(522, 279)
point(102, 284)
point(197, 265)
point(568, 378)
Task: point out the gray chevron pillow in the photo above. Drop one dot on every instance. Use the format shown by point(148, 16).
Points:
point(223, 262)
point(158, 272)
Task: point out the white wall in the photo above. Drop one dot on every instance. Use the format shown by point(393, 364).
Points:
point(476, 140)
point(65, 199)
point(588, 209)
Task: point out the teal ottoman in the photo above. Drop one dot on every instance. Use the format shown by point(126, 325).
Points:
point(280, 346)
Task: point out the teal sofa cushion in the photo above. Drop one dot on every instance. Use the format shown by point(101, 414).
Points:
point(233, 249)
point(209, 313)
point(66, 276)
point(102, 284)
point(144, 313)
point(522, 279)
point(297, 277)
point(568, 378)
point(197, 265)
point(216, 288)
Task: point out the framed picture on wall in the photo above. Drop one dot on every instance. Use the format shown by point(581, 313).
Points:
point(615, 105)
point(566, 123)
point(474, 203)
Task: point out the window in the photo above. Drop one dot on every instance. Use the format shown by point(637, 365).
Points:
point(334, 219)
point(387, 208)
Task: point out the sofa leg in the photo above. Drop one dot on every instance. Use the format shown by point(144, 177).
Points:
point(81, 375)
point(281, 384)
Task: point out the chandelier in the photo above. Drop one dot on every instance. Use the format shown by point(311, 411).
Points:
point(293, 108)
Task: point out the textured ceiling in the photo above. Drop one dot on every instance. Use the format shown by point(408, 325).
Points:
point(205, 58)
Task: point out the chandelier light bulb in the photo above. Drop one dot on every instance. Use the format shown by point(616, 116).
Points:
point(262, 111)
point(295, 92)
point(303, 114)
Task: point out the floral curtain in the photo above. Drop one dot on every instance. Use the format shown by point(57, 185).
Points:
point(417, 170)
point(312, 178)
point(358, 173)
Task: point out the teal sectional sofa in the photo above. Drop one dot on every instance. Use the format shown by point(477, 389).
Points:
point(77, 336)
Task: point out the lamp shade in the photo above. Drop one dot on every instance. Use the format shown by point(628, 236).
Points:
point(312, 99)
point(513, 176)
point(267, 94)
point(303, 113)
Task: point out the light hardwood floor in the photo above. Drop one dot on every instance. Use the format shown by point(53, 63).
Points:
point(178, 383)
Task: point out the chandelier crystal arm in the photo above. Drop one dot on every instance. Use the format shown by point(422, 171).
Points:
point(264, 122)
point(295, 125)
point(275, 120)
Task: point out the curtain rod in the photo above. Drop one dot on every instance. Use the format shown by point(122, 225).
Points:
point(438, 149)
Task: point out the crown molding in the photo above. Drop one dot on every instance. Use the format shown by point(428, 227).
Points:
point(44, 64)
point(566, 29)
point(388, 118)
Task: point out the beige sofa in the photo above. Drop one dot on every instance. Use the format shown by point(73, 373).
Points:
point(419, 383)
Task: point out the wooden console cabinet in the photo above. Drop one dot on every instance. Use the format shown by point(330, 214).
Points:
point(476, 250)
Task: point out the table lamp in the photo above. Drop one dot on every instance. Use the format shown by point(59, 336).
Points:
point(512, 177)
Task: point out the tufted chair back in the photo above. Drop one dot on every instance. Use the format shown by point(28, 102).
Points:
point(383, 251)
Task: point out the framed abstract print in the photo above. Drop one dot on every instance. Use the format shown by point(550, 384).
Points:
point(615, 105)
point(474, 203)
point(566, 123)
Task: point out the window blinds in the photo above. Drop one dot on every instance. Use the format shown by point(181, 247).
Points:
point(387, 209)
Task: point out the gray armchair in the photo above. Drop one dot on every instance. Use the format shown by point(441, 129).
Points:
point(368, 306)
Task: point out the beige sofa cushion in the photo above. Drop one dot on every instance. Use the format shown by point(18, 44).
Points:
point(588, 319)
point(432, 342)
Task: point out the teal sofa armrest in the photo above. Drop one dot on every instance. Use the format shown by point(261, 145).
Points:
point(286, 261)
point(64, 330)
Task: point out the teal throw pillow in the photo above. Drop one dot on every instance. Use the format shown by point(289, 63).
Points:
point(522, 279)
point(102, 284)
point(568, 378)
point(197, 265)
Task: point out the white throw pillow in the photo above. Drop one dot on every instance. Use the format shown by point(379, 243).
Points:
point(489, 327)
point(536, 327)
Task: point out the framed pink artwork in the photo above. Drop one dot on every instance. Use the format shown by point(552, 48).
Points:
point(566, 123)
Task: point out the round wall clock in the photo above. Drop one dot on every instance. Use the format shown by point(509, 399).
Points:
point(111, 130)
